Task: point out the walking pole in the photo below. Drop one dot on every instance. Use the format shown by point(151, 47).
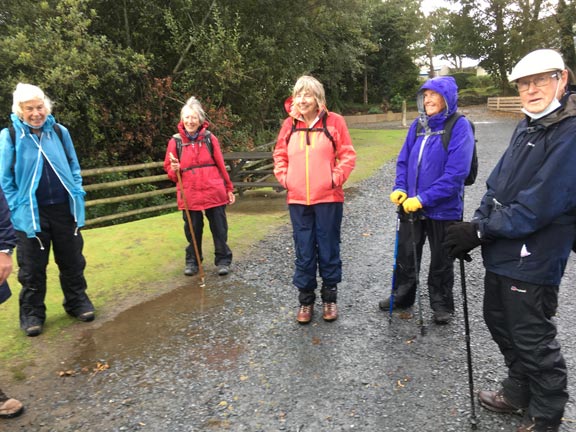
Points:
point(190, 226)
point(416, 274)
point(393, 292)
point(473, 419)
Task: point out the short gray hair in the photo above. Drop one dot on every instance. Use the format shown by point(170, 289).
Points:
point(311, 84)
point(26, 93)
point(195, 106)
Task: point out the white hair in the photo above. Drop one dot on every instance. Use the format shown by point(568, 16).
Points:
point(195, 106)
point(26, 93)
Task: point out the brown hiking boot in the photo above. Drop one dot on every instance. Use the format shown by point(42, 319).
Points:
point(305, 314)
point(9, 407)
point(495, 401)
point(329, 311)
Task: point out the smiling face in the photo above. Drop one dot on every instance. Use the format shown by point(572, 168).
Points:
point(538, 91)
point(306, 104)
point(191, 120)
point(34, 113)
point(433, 102)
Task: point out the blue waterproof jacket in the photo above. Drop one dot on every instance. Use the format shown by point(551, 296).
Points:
point(428, 171)
point(528, 214)
point(21, 167)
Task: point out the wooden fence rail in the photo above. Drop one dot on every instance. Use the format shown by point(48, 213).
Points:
point(247, 170)
point(508, 104)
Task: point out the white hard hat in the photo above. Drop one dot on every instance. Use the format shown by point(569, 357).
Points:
point(542, 60)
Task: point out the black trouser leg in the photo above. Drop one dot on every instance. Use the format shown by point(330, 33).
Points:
point(441, 272)
point(406, 273)
point(219, 229)
point(197, 218)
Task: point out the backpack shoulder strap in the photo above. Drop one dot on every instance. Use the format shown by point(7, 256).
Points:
point(178, 140)
point(208, 141)
point(448, 126)
point(12, 134)
point(327, 132)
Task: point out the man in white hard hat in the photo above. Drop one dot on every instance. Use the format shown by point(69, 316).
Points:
point(526, 224)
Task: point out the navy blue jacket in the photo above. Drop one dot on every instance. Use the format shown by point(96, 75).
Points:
point(528, 214)
point(436, 176)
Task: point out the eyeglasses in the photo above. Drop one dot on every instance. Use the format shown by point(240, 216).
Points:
point(541, 81)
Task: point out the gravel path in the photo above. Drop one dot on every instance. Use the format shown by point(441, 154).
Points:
point(230, 357)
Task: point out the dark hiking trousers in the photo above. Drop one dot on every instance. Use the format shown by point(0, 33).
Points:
point(518, 315)
point(441, 269)
point(218, 227)
point(59, 232)
point(316, 233)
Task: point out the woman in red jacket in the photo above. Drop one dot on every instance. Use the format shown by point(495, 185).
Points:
point(313, 158)
point(207, 185)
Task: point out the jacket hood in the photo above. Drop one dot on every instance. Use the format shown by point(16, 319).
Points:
point(445, 86)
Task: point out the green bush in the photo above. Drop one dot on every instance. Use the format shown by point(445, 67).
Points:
point(396, 103)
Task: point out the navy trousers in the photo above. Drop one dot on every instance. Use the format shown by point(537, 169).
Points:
point(316, 233)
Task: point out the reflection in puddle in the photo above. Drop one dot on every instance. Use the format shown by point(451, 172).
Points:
point(185, 318)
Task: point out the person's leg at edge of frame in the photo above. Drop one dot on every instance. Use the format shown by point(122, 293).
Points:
point(328, 230)
point(32, 262)
point(68, 245)
point(305, 264)
point(440, 274)
point(219, 228)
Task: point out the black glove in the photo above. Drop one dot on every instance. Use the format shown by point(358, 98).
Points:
point(461, 238)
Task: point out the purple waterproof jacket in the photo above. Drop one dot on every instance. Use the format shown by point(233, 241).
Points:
point(424, 168)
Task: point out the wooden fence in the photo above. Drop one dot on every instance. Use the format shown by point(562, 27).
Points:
point(247, 170)
point(508, 104)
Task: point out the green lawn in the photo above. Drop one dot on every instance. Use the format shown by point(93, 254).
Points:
point(134, 259)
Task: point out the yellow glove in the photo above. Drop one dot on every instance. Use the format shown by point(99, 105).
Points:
point(411, 205)
point(398, 197)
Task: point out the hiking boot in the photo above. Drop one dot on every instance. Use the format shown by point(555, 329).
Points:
point(223, 270)
point(86, 316)
point(495, 401)
point(535, 426)
point(190, 269)
point(385, 305)
point(10, 408)
point(305, 314)
point(329, 311)
point(33, 330)
point(442, 317)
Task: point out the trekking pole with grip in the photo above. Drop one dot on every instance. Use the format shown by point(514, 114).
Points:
point(393, 292)
point(473, 419)
point(190, 226)
point(416, 275)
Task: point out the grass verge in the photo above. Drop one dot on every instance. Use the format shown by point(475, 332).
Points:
point(132, 262)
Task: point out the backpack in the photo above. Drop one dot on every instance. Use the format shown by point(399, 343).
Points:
point(324, 129)
point(206, 140)
point(447, 135)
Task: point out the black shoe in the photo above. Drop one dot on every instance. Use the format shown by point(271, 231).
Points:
point(86, 316)
point(223, 270)
point(33, 330)
point(385, 305)
point(190, 269)
point(442, 317)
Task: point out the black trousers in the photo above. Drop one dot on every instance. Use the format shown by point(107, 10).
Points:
point(519, 317)
point(441, 270)
point(60, 233)
point(218, 227)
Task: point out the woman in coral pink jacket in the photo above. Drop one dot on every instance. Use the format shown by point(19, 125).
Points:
point(207, 187)
point(313, 158)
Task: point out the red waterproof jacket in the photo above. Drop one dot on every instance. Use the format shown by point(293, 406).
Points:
point(205, 179)
point(309, 165)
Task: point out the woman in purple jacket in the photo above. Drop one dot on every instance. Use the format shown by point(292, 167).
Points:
point(429, 188)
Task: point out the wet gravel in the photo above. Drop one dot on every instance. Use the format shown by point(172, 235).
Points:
point(240, 362)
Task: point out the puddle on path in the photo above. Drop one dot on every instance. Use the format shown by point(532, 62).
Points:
point(147, 330)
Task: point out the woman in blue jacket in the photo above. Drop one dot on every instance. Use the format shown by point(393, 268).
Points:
point(40, 176)
point(430, 185)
